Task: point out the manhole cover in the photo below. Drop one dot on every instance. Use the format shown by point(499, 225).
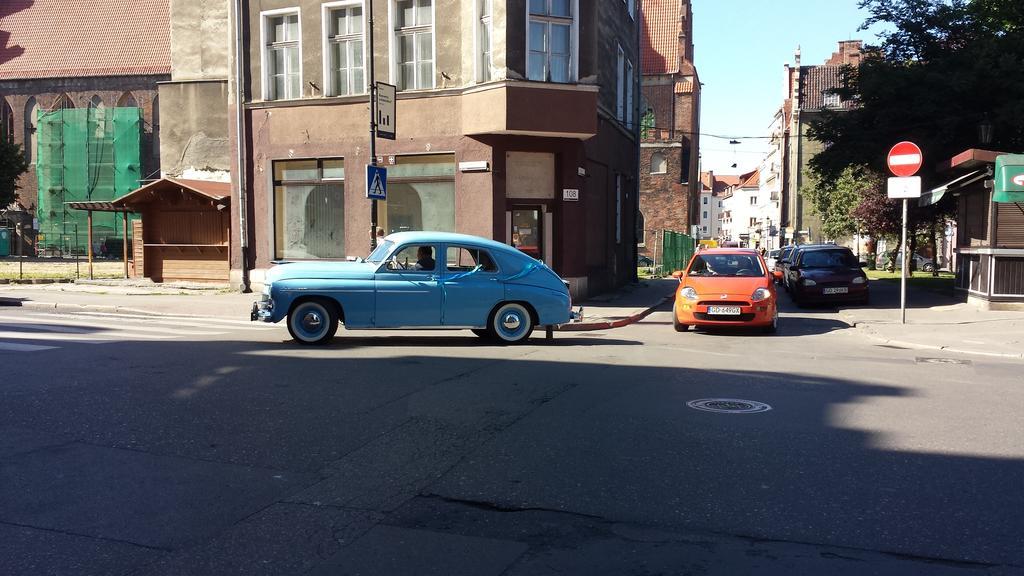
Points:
point(921, 360)
point(728, 405)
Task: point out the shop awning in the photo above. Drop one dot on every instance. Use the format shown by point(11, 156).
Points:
point(935, 194)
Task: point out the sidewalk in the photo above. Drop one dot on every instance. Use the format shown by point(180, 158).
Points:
point(627, 305)
point(937, 322)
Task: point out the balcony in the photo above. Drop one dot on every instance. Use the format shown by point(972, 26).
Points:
point(531, 109)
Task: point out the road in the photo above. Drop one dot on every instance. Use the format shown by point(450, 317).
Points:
point(130, 445)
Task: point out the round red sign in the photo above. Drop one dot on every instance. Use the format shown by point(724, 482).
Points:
point(904, 159)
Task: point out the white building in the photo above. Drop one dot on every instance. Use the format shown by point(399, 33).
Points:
point(740, 216)
point(710, 207)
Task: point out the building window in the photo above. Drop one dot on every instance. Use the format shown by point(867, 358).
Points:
point(832, 100)
point(753, 222)
point(647, 124)
point(620, 89)
point(629, 94)
point(309, 208)
point(704, 216)
point(96, 102)
point(753, 200)
point(658, 163)
point(414, 43)
point(31, 130)
point(641, 229)
point(705, 199)
point(421, 194)
point(127, 101)
point(63, 102)
point(282, 56)
point(344, 28)
point(704, 229)
point(6, 121)
point(484, 42)
point(551, 31)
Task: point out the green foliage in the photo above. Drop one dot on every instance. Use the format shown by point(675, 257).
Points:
point(12, 165)
point(835, 203)
point(943, 68)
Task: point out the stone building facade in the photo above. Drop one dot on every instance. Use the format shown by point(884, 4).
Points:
point(496, 129)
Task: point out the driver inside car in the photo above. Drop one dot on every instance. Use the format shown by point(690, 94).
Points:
point(424, 258)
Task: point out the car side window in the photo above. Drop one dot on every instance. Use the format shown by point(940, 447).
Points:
point(463, 259)
point(414, 257)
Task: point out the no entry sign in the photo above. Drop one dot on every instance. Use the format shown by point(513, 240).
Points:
point(904, 159)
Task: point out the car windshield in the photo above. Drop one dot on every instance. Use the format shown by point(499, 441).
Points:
point(741, 265)
point(380, 251)
point(829, 259)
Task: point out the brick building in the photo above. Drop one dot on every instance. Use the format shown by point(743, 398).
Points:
point(670, 187)
point(72, 83)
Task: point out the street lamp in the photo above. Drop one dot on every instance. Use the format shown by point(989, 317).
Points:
point(985, 130)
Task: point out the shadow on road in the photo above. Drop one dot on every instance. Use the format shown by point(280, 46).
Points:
point(252, 460)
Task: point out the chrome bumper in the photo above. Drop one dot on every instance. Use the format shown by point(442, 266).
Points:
point(261, 311)
point(576, 316)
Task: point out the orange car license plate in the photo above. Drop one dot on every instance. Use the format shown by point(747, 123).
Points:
point(724, 310)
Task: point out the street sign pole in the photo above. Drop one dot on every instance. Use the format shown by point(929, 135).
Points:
point(903, 268)
point(373, 129)
point(904, 160)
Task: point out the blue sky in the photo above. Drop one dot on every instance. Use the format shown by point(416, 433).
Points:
point(740, 48)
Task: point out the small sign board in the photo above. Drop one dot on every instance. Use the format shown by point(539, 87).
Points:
point(570, 194)
point(385, 111)
point(907, 187)
point(376, 182)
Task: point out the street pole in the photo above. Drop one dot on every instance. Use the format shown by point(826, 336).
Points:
point(373, 130)
point(903, 268)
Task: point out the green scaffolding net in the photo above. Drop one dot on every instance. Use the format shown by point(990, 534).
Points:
point(89, 154)
point(676, 251)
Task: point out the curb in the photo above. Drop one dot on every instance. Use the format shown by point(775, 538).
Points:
point(609, 324)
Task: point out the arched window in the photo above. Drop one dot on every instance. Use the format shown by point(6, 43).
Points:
point(127, 101)
point(96, 102)
point(31, 121)
point(641, 229)
point(156, 127)
point(63, 102)
point(658, 164)
point(6, 121)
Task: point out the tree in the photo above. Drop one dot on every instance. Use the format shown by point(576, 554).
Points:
point(835, 204)
point(943, 68)
point(12, 166)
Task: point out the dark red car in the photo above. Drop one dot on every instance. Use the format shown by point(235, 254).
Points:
point(827, 274)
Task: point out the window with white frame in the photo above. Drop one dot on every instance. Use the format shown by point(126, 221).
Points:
point(705, 200)
point(345, 50)
point(414, 44)
point(484, 42)
point(658, 163)
point(282, 56)
point(550, 39)
point(620, 71)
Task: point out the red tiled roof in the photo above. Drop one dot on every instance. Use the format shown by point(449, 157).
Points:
point(75, 38)
point(815, 81)
point(659, 36)
point(752, 179)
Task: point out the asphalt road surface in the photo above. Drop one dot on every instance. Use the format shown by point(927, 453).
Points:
point(132, 445)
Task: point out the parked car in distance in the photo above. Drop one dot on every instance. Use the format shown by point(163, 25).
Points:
point(780, 265)
point(418, 280)
point(726, 287)
point(770, 257)
point(922, 263)
point(827, 274)
point(645, 261)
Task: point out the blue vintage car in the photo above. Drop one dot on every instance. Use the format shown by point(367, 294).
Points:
point(418, 280)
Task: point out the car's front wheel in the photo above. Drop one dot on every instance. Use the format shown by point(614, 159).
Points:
point(774, 326)
point(312, 322)
point(928, 267)
point(679, 326)
point(511, 323)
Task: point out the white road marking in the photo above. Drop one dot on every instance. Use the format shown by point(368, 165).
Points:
point(17, 347)
point(98, 338)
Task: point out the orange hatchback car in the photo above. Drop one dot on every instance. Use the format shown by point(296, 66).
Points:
point(726, 287)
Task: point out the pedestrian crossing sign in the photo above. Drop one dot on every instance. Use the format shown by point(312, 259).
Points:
point(376, 182)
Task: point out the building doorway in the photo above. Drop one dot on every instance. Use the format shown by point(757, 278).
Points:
point(528, 230)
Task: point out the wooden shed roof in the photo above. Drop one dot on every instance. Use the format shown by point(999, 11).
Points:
point(206, 189)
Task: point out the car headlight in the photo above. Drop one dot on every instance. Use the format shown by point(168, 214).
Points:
point(688, 293)
point(760, 294)
point(860, 280)
point(809, 282)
